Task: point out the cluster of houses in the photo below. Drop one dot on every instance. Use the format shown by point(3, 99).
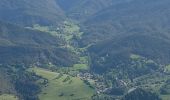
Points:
point(97, 84)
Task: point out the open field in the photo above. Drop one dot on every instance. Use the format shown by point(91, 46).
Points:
point(62, 87)
point(8, 97)
point(165, 97)
point(80, 67)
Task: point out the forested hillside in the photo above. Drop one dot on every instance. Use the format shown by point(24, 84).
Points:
point(141, 17)
point(28, 12)
point(20, 45)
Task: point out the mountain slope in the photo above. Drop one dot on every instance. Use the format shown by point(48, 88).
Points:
point(114, 52)
point(135, 27)
point(20, 45)
point(143, 17)
point(5, 83)
point(84, 9)
point(28, 12)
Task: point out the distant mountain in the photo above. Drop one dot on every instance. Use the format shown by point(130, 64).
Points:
point(48, 12)
point(28, 12)
point(84, 9)
point(20, 45)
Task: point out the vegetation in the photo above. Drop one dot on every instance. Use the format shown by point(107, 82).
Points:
point(139, 94)
point(25, 46)
point(70, 34)
point(165, 97)
point(5, 83)
point(62, 88)
point(8, 97)
point(84, 49)
point(28, 13)
point(167, 68)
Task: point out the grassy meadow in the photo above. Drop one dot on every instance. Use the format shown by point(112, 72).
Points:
point(8, 97)
point(62, 86)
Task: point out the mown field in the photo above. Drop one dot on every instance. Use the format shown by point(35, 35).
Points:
point(62, 86)
point(8, 97)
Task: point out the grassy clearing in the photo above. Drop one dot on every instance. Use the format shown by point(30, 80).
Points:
point(8, 97)
point(45, 29)
point(167, 68)
point(84, 59)
point(134, 56)
point(165, 97)
point(41, 28)
point(63, 87)
point(80, 67)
